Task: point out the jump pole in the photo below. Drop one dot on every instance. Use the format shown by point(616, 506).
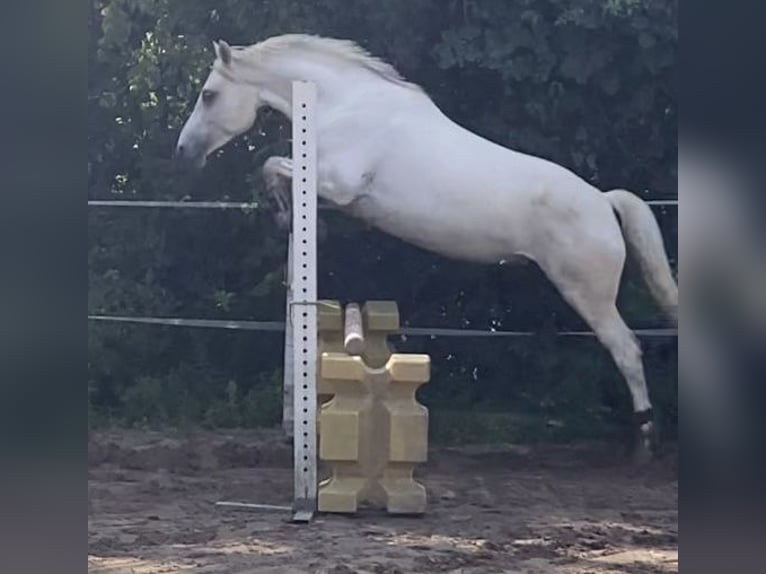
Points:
point(302, 302)
point(299, 409)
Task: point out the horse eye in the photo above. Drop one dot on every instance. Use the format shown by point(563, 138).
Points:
point(208, 96)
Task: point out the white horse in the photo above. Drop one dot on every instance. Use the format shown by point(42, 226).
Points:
point(388, 155)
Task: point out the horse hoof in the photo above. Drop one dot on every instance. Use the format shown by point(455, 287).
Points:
point(646, 445)
point(642, 455)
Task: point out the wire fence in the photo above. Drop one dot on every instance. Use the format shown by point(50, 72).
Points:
point(174, 204)
point(244, 206)
point(248, 325)
point(279, 326)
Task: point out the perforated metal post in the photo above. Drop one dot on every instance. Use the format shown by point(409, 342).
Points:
point(288, 385)
point(304, 300)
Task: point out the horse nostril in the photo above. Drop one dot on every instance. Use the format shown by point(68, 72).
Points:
point(180, 150)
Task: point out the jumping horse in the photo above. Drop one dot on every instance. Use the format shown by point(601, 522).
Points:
point(389, 156)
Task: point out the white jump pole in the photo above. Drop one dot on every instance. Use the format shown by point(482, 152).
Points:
point(288, 387)
point(302, 302)
point(353, 330)
point(299, 410)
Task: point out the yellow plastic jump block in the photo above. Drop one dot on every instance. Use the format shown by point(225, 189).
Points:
point(330, 332)
point(373, 434)
point(381, 315)
point(381, 319)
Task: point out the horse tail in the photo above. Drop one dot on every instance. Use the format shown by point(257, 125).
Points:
point(642, 234)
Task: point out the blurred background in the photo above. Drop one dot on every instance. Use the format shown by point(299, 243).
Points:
point(590, 84)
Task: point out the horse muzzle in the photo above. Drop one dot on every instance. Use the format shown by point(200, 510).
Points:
point(189, 155)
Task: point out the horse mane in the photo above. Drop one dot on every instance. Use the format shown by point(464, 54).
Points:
point(345, 50)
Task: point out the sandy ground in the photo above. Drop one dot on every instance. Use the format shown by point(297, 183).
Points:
point(572, 510)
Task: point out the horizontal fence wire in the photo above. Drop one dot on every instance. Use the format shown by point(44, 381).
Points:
point(662, 202)
point(174, 204)
point(244, 206)
point(407, 331)
point(280, 325)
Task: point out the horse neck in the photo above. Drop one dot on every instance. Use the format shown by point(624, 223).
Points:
point(336, 85)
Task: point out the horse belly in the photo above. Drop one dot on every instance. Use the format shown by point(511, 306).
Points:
point(444, 229)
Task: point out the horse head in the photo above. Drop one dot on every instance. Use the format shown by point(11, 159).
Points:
point(225, 108)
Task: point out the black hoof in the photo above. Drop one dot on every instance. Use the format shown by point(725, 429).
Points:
point(643, 453)
point(646, 445)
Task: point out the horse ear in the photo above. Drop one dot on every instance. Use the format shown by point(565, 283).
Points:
point(223, 51)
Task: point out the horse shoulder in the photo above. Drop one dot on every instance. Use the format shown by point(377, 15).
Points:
point(351, 149)
point(345, 174)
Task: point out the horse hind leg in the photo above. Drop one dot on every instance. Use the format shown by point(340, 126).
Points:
point(593, 296)
point(625, 349)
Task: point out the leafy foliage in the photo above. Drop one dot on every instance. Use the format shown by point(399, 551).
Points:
point(590, 84)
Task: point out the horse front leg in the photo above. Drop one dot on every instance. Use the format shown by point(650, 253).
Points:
point(278, 173)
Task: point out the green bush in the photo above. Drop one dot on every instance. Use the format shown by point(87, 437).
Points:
point(144, 403)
